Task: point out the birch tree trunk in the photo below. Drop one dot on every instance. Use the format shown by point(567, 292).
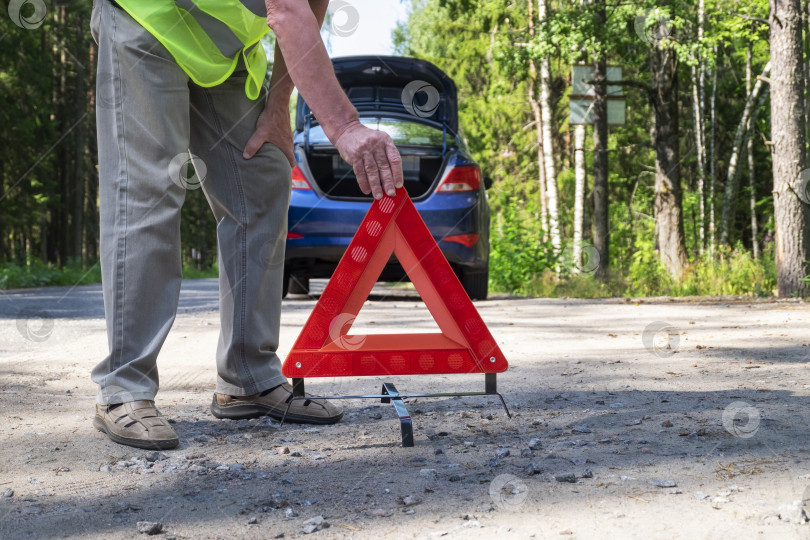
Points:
point(787, 135)
point(698, 98)
point(548, 142)
point(713, 155)
point(750, 149)
point(538, 124)
point(579, 194)
point(732, 176)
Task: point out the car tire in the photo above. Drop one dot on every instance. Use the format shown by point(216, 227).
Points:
point(285, 284)
point(298, 285)
point(476, 284)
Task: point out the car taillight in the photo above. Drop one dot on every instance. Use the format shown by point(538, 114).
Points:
point(465, 178)
point(299, 181)
point(294, 235)
point(468, 240)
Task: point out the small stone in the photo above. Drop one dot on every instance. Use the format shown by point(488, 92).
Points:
point(582, 428)
point(570, 478)
point(645, 450)
point(719, 500)
point(32, 480)
point(792, 513)
point(532, 469)
point(566, 532)
point(454, 478)
point(526, 452)
point(438, 452)
point(465, 414)
point(502, 453)
point(663, 483)
point(149, 527)
point(253, 520)
point(283, 450)
point(105, 468)
point(151, 457)
point(410, 500)
point(494, 463)
point(290, 513)
point(429, 473)
point(295, 454)
point(587, 473)
point(8, 493)
point(314, 524)
point(699, 495)
point(535, 444)
point(537, 422)
point(473, 523)
point(666, 423)
point(375, 416)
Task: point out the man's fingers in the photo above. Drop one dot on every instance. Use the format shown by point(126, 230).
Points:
point(362, 179)
point(386, 176)
point(290, 153)
point(254, 143)
point(373, 174)
point(395, 160)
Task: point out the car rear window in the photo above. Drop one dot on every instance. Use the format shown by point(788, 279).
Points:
point(402, 132)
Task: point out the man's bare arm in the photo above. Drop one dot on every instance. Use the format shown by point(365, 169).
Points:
point(372, 154)
point(273, 125)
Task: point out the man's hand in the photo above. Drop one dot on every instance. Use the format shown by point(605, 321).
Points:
point(376, 161)
point(273, 126)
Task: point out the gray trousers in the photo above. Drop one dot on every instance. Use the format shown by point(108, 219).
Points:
point(150, 117)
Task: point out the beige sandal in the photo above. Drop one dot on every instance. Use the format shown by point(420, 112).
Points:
point(136, 423)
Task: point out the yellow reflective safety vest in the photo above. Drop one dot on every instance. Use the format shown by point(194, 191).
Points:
point(207, 37)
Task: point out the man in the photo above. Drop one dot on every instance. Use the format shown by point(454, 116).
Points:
point(179, 81)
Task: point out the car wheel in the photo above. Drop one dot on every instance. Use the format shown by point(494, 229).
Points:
point(476, 284)
point(298, 285)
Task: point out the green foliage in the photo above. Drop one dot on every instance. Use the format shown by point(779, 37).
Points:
point(39, 274)
point(518, 251)
point(729, 273)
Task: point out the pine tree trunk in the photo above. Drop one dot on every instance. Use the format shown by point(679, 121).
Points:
point(787, 135)
point(600, 232)
point(579, 193)
point(668, 211)
point(548, 142)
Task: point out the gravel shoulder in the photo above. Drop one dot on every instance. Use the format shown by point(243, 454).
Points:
point(645, 419)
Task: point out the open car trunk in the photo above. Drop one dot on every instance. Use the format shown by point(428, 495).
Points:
point(336, 178)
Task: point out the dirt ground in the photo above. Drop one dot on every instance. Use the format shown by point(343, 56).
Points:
point(630, 419)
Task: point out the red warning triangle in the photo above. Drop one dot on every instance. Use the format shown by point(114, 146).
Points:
point(323, 348)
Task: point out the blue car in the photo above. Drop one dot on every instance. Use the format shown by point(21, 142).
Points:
point(416, 104)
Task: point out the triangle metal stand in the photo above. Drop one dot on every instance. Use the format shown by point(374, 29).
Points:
point(390, 394)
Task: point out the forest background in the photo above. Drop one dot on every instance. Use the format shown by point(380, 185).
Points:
point(703, 190)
